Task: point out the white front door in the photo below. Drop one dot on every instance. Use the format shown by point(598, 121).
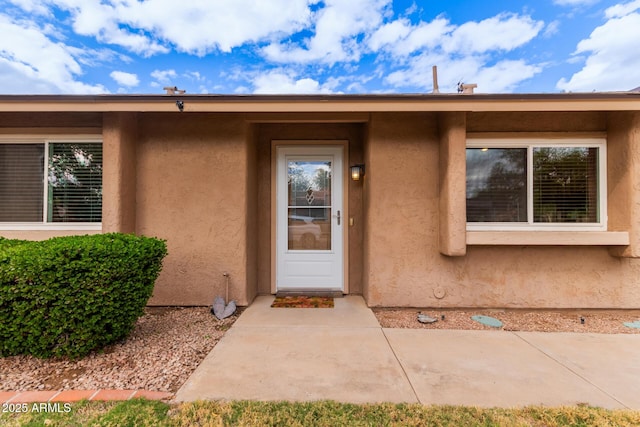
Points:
point(309, 218)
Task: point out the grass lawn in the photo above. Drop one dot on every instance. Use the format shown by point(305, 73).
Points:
point(140, 412)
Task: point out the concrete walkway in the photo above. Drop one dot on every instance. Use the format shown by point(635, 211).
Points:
point(343, 354)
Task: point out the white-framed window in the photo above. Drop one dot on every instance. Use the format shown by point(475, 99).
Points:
point(534, 184)
point(50, 183)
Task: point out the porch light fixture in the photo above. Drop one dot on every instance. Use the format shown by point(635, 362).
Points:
point(357, 172)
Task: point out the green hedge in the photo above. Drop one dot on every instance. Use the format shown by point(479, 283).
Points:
point(67, 296)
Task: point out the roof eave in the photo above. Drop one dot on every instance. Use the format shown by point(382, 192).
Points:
point(615, 101)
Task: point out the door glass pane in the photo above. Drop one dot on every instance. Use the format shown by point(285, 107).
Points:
point(309, 229)
point(309, 205)
point(309, 183)
point(496, 184)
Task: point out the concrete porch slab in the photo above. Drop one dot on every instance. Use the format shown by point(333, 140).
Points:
point(609, 362)
point(348, 312)
point(299, 364)
point(488, 369)
point(343, 354)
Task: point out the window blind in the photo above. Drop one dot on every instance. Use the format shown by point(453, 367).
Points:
point(21, 182)
point(565, 184)
point(75, 182)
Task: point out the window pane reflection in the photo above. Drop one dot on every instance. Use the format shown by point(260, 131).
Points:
point(309, 229)
point(309, 183)
point(309, 205)
point(497, 185)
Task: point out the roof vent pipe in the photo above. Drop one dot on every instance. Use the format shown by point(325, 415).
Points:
point(434, 70)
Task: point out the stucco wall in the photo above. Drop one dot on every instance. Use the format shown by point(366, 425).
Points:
point(452, 183)
point(189, 179)
point(401, 208)
point(119, 140)
point(623, 149)
point(202, 181)
point(556, 121)
point(50, 122)
point(192, 186)
point(403, 265)
point(252, 209)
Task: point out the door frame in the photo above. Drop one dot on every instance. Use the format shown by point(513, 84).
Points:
point(345, 200)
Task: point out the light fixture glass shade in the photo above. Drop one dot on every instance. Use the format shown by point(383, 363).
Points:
point(357, 172)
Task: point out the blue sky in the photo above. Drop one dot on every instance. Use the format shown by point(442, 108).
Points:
point(312, 46)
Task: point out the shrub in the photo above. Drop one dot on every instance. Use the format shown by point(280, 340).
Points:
point(67, 296)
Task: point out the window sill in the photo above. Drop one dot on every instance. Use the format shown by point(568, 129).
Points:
point(51, 227)
point(549, 238)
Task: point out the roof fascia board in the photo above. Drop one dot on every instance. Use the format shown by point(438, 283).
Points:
point(321, 104)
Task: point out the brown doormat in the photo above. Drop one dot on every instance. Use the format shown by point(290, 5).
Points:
point(303, 302)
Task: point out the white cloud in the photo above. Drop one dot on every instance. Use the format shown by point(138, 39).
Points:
point(104, 22)
point(32, 6)
point(30, 58)
point(612, 61)
point(337, 26)
point(501, 77)
point(501, 32)
point(148, 27)
point(551, 29)
point(575, 2)
point(125, 79)
point(339, 33)
point(242, 90)
point(195, 75)
point(164, 77)
point(504, 76)
point(621, 10)
point(228, 24)
point(450, 72)
point(390, 34)
point(401, 38)
point(280, 82)
point(463, 52)
point(464, 49)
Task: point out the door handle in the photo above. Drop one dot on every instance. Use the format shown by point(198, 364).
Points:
point(338, 217)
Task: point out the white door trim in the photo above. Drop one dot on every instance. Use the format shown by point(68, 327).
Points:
point(279, 214)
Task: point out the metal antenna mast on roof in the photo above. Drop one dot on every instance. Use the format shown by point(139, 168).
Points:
point(434, 70)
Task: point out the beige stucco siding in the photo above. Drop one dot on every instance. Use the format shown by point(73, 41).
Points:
point(403, 263)
point(548, 121)
point(192, 190)
point(401, 208)
point(203, 182)
point(623, 145)
point(119, 144)
point(252, 210)
point(543, 277)
point(452, 186)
